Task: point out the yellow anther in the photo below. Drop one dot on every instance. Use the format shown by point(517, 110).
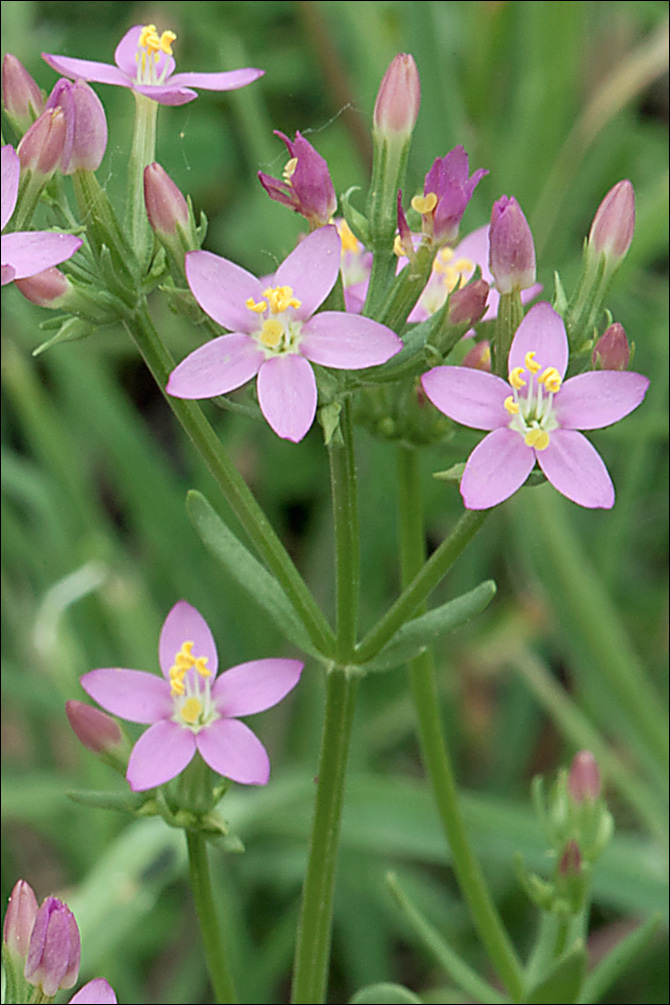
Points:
point(463, 265)
point(147, 35)
point(165, 42)
point(537, 438)
point(424, 203)
point(280, 298)
point(191, 710)
point(529, 360)
point(258, 308)
point(509, 402)
point(271, 333)
point(177, 686)
point(201, 667)
point(398, 249)
point(152, 42)
point(515, 378)
point(289, 169)
point(551, 379)
point(348, 238)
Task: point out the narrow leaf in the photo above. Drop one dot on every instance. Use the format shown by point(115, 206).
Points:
point(564, 980)
point(384, 994)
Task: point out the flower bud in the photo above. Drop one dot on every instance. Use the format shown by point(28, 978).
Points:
point(166, 206)
point(479, 357)
point(570, 862)
point(612, 350)
point(21, 96)
point(584, 781)
point(85, 122)
point(19, 919)
point(398, 98)
point(54, 952)
point(447, 191)
point(46, 289)
point(41, 148)
point(467, 305)
point(511, 248)
point(99, 733)
point(612, 228)
point(306, 187)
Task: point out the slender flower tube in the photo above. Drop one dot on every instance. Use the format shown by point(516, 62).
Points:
point(398, 98)
point(188, 710)
point(306, 186)
point(534, 416)
point(85, 125)
point(144, 63)
point(511, 247)
point(447, 191)
point(55, 950)
point(276, 333)
point(27, 253)
point(584, 780)
point(612, 351)
point(613, 225)
point(19, 920)
point(21, 97)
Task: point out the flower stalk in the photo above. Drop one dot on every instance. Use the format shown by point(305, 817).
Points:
point(215, 952)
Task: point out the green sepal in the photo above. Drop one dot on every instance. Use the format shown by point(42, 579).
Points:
point(452, 474)
point(16, 988)
point(560, 303)
point(564, 980)
point(129, 802)
point(357, 221)
point(71, 330)
point(384, 994)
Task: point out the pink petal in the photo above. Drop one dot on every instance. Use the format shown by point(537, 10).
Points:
point(597, 399)
point(185, 624)
point(347, 341)
point(227, 81)
point(222, 288)
point(232, 750)
point(166, 94)
point(216, 367)
point(7, 274)
point(30, 252)
point(311, 269)
point(468, 396)
point(88, 69)
point(131, 694)
point(159, 755)
point(542, 331)
point(96, 992)
point(126, 50)
point(496, 468)
point(253, 687)
point(287, 395)
point(10, 172)
point(576, 469)
point(475, 246)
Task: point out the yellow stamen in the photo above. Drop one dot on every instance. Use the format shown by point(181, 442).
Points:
point(280, 298)
point(201, 667)
point(551, 379)
point(258, 308)
point(147, 33)
point(191, 710)
point(348, 238)
point(183, 662)
point(529, 360)
point(424, 203)
point(537, 438)
point(515, 378)
point(152, 42)
point(509, 402)
point(271, 333)
point(398, 249)
point(289, 169)
point(464, 265)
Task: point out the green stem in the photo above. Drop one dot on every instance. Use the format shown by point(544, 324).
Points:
point(345, 514)
point(215, 953)
point(509, 317)
point(143, 152)
point(310, 973)
point(233, 486)
point(434, 748)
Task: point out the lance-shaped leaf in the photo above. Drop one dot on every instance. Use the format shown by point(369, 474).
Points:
point(564, 980)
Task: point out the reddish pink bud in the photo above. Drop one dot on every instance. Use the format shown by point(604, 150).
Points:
point(98, 732)
point(584, 781)
point(20, 919)
point(86, 125)
point(166, 206)
point(306, 186)
point(41, 148)
point(21, 96)
point(55, 950)
point(468, 305)
point(479, 357)
point(570, 862)
point(398, 98)
point(612, 351)
point(46, 289)
point(511, 248)
point(613, 225)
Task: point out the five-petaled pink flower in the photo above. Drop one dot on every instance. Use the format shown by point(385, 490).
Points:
point(189, 709)
point(144, 63)
point(274, 335)
point(534, 417)
point(25, 253)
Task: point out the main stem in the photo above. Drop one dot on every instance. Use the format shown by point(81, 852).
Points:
point(215, 952)
point(434, 748)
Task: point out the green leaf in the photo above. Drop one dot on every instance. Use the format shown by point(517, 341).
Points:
point(563, 982)
point(617, 961)
point(383, 994)
point(417, 634)
point(247, 571)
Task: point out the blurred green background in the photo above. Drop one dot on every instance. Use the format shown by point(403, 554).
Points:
point(559, 101)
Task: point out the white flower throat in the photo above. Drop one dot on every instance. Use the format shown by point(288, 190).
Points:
point(279, 331)
point(150, 45)
point(533, 410)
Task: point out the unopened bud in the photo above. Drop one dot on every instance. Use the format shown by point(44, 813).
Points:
point(99, 733)
point(41, 148)
point(570, 862)
point(584, 781)
point(55, 949)
point(398, 98)
point(46, 289)
point(511, 248)
point(613, 225)
point(166, 206)
point(612, 350)
point(306, 186)
point(468, 304)
point(22, 98)
point(479, 357)
point(86, 125)
point(19, 919)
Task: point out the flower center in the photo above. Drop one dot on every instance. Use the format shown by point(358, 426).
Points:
point(279, 332)
point(151, 50)
point(531, 404)
point(190, 687)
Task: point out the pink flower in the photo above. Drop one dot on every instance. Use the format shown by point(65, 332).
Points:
point(144, 64)
point(274, 334)
point(306, 186)
point(398, 98)
point(26, 253)
point(96, 992)
point(447, 191)
point(511, 251)
point(189, 709)
point(55, 948)
point(535, 416)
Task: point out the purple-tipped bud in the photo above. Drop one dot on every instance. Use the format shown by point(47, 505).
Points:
point(511, 248)
point(96, 992)
point(468, 304)
point(41, 148)
point(570, 862)
point(612, 350)
point(20, 919)
point(167, 208)
point(403, 242)
point(85, 125)
point(479, 357)
point(584, 781)
point(98, 732)
point(306, 187)
point(613, 225)
point(447, 191)
point(55, 950)
point(21, 96)
point(46, 289)
point(398, 98)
